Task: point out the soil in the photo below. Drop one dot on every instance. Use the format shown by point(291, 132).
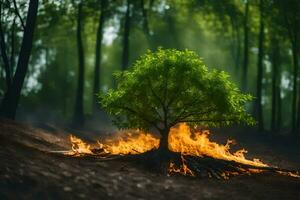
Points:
point(29, 170)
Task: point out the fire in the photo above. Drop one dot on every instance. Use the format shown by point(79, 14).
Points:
point(130, 142)
point(183, 169)
point(79, 147)
point(182, 140)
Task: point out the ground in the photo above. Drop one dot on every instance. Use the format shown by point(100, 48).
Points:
point(29, 170)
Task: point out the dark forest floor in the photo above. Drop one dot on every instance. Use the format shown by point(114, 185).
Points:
point(29, 171)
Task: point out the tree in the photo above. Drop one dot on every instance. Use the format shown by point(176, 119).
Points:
point(4, 55)
point(168, 87)
point(11, 99)
point(127, 19)
point(246, 47)
point(259, 111)
point(291, 22)
point(276, 99)
point(98, 52)
point(78, 118)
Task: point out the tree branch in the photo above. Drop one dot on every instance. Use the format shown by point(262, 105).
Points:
point(18, 14)
point(141, 116)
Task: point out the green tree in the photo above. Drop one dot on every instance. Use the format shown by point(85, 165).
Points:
point(11, 99)
point(168, 87)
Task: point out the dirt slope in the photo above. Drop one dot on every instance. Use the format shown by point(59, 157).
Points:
point(29, 171)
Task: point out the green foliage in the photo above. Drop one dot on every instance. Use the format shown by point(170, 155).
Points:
point(167, 87)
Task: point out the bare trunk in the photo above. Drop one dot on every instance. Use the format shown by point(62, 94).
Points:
point(145, 18)
point(125, 54)
point(145, 14)
point(295, 76)
point(78, 118)
point(259, 109)
point(246, 47)
point(4, 56)
point(98, 55)
point(10, 102)
point(12, 52)
point(275, 85)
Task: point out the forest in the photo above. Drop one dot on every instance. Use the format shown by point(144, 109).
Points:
point(96, 69)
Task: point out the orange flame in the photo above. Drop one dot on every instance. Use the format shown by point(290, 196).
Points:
point(180, 140)
point(132, 142)
point(183, 141)
point(79, 147)
point(183, 169)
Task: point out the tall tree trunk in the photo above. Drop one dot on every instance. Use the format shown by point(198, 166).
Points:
point(238, 51)
point(295, 77)
point(236, 44)
point(12, 44)
point(11, 99)
point(278, 93)
point(4, 56)
point(125, 54)
point(78, 118)
point(146, 28)
point(145, 18)
point(275, 85)
point(259, 111)
point(246, 47)
point(98, 53)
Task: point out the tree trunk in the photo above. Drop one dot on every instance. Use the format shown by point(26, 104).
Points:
point(163, 155)
point(145, 19)
point(146, 28)
point(11, 99)
point(246, 47)
point(238, 51)
point(163, 144)
point(4, 56)
point(295, 76)
point(78, 118)
point(98, 55)
point(259, 111)
point(125, 54)
point(275, 85)
point(12, 44)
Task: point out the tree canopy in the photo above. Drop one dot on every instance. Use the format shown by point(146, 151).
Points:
point(168, 87)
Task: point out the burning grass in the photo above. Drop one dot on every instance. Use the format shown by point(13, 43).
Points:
point(192, 153)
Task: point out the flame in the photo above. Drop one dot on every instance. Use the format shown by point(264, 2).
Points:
point(183, 169)
point(79, 147)
point(132, 142)
point(183, 141)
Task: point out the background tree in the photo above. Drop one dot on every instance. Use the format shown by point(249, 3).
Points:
point(78, 118)
point(291, 21)
point(98, 51)
point(126, 27)
point(246, 47)
point(260, 66)
point(11, 99)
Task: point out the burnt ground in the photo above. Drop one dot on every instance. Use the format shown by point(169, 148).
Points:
point(29, 171)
